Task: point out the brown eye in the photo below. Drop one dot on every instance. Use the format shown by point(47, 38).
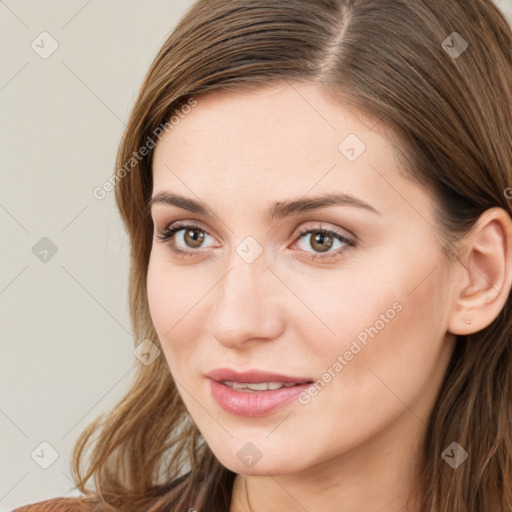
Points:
point(193, 238)
point(322, 242)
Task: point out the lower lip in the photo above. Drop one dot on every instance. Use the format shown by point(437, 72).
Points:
point(256, 403)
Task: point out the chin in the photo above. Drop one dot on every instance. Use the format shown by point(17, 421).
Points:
point(274, 464)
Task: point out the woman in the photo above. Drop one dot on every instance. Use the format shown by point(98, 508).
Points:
point(318, 197)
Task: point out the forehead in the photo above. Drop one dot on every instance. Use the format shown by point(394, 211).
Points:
point(297, 123)
point(279, 141)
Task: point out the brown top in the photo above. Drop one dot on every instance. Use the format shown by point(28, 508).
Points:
point(56, 505)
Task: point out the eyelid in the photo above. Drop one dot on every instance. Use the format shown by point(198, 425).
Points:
point(180, 225)
point(348, 242)
point(321, 227)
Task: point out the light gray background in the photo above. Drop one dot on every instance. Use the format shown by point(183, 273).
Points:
point(66, 346)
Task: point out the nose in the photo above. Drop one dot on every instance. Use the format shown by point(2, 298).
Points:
point(246, 305)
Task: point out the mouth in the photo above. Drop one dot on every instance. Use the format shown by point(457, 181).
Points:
point(255, 387)
point(254, 393)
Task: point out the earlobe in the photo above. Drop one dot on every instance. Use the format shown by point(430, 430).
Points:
point(486, 269)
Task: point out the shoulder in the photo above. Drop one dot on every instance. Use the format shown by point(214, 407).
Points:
point(58, 505)
point(83, 504)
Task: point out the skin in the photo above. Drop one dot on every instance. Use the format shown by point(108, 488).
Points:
point(354, 446)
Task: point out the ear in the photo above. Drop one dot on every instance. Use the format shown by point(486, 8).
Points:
point(485, 275)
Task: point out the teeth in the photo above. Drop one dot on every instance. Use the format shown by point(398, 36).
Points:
point(259, 386)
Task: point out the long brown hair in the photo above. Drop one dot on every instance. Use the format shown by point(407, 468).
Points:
point(438, 74)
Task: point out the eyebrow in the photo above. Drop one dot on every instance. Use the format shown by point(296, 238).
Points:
point(278, 210)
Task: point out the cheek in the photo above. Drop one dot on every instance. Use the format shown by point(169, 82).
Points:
point(354, 304)
point(389, 339)
point(159, 289)
point(176, 298)
point(378, 309)
point(364, 386)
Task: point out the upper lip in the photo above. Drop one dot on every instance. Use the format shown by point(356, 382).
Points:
point(253, 376)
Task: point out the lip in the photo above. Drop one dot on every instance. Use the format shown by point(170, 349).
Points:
point(255, 376)
point(256, 403)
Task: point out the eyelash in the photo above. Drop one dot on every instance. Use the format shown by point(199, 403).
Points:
point(169, 233)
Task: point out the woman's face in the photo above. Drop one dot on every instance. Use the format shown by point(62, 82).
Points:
point(358, 310)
